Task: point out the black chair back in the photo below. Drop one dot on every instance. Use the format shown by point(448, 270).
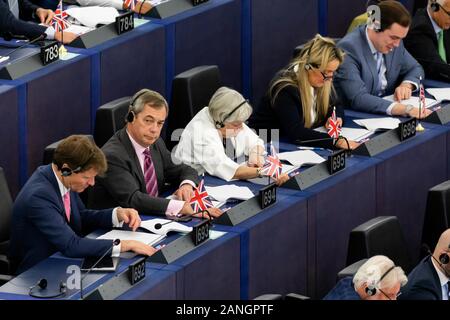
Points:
point(437, 215)
point(379, 236)
point(110, 118)
point(191, 91)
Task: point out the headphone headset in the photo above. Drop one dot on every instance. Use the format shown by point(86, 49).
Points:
point(42, 284)
point(66, 171)
point(435, 5)
point(374, 18)
point(130, 115)
point(221, 124)
point(308, 65)
point(371, 288)
point(444, 258)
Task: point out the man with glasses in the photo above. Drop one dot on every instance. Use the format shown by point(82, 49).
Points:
point(377, 64)
point(428, 40)
point(377, 279)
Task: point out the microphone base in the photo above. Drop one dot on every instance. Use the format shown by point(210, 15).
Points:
point(3, 58)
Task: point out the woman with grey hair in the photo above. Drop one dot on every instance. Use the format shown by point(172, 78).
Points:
point(377, 279)
point(202, 143)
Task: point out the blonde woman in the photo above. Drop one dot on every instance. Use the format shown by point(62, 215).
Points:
point(301, 97)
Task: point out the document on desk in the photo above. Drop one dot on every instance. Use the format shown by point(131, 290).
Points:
point(374, 124)
point(440, 94)
point(301, 157)
point(414, 101)
point(229, 191)
point(355, 134)
point(92, 16)
point(77, 29)
point(163, 226)
point(148, 238)
point(216, 204)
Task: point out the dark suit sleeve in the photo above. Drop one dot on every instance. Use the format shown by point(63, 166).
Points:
point(93, 219)
point(10, 25)
point(288, 110)
point(45, 214)
point(175, 173)
point(27, 10)
point(422, 43)
point(124, 187)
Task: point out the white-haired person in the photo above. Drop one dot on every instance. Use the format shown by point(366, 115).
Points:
point(203, 142)
point(377, 279)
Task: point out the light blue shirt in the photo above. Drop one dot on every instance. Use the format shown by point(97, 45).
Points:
point(436, 28)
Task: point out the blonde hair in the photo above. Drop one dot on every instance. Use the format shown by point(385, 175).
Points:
point(317, 52)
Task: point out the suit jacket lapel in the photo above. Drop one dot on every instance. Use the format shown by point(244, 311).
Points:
point(135, 165)
point(371, 62)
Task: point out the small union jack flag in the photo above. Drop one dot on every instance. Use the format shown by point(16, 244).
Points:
point(422, 95)
point(272, 167)
point(129, 4)
point(59, 21)
point(200, 201)
point(334, 130)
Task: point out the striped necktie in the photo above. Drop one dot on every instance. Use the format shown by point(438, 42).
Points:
point(151, 183)
point(441, 46)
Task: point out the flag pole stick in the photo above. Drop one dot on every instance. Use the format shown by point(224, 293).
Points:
point(419, 126)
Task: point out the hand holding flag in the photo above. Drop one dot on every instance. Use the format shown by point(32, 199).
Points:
point(200, 201)
point(334, 129)
point(272, 167)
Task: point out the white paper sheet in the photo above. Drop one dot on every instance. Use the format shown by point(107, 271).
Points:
point(230, 191)
point(165, 226)
point(355, 134)
point(439, 93)
point(414, 101)
point(148, 238)
point(92, 16)
point(374, 124)
point(301, 157)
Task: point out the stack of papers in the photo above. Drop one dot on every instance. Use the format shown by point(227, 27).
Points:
point(92, 16)
point(354, 134)
point(148, 238)
point(414, 101)
point(229, 191)
point(440, 94)
point(301, 157)
point(374, 124)
point(165, 226)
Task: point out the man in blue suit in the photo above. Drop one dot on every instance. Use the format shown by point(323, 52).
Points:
point(13, 14)
point(377, 64)
point(48, 215)
point(430, 279)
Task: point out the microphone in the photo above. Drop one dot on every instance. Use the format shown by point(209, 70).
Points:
point(42, 284)
point(115, 243)
point(158, 225)
point(6, 57)
point(443, 258)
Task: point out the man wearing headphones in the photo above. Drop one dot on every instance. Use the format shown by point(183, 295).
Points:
point(430, 279)
point(377, 64)
point(377, 279)
point(428, 40)
point(48, 215)
point(140, 166)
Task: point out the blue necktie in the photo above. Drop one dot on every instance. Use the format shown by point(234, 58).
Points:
point(379, 58)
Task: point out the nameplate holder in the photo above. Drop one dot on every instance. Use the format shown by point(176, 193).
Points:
point(200, 232)
point(125, 22)
point(407, 129)
point(240, 212)
point(22, 67)
point(173, 250)
point(170, 8)
point(378, 144)
point(50, 53)
point(95, 37)
point(439, 116)
point(336, 162)
point(268, 195)
point(308, 177)
point(136, 271)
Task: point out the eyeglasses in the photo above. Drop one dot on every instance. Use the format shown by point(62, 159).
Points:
point(448, 13)
point(325, 77)
point(391, 297)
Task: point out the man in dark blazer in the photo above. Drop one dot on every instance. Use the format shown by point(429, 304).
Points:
point(132, 152)
point(48, 215)
point(377, 64)
point(13, 24)
point(423, 39)
point(429, 280)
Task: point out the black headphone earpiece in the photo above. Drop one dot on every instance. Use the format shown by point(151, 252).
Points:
point(221, 124)
point(444, 258)
point(130, 115)
point(371, 289)
point(435, 6)
point(42, 285)
point(65, 172)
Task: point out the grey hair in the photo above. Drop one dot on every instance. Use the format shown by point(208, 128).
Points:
point(147, 96)
point(374, 269)
point(224, 101)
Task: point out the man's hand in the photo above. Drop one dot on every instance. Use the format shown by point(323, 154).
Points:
point(68, 37)
point(403, 91)
point(282, 179)
point(342, 144)
point(137, 247)
point(146, 7)
point(212, 213)
point(185, 192)
point(187, 209)
point(130, 217)
point(45, 15)
point(414, 112)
